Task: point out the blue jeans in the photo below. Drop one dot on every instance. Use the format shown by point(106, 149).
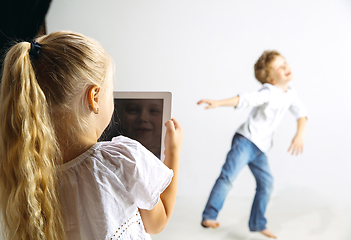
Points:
point(243, 152)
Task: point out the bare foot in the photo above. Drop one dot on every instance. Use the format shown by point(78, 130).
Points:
point(268, 233)
point(210, 223)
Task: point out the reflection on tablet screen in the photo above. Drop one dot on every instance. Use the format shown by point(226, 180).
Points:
point(138, 119)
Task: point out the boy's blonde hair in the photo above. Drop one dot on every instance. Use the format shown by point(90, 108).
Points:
point(41, 97)
point(263, 66)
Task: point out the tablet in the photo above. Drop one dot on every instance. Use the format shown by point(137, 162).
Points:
point(141, 116)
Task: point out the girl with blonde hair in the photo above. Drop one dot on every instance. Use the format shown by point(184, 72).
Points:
point(56, 180)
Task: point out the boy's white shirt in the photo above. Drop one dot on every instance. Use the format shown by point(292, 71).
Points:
point(270, 104)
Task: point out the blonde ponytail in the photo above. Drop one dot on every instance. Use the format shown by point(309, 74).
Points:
point(29, 193)
point(43, 102)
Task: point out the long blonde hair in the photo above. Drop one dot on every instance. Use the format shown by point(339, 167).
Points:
point(40, 97)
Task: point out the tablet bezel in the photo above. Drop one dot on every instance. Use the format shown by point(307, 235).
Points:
point(167, 107)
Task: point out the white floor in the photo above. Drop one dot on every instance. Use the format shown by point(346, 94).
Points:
point(295, 214)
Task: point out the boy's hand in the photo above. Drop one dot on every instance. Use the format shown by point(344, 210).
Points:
point(211, 103)
point(233, 102)
point(296, 146)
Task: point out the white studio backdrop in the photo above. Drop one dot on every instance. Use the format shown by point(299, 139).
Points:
point(207, 49)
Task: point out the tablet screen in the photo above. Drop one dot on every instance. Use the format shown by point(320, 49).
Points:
point(141, 119)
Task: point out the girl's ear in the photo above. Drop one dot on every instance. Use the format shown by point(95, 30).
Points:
point(93, 98)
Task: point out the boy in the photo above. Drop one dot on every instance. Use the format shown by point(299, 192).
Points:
point(254, 137)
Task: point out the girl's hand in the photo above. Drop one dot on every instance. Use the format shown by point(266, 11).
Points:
point(211, 103)
point(173, 138)
point(157, 218)
point(296, 146)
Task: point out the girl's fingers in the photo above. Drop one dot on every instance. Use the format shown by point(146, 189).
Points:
point(170, 125)
point(176, 123)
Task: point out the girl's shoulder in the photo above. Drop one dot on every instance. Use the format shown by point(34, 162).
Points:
point(122, 153)
point(118, 151)
point(121, 146)
point(125, 149)
point(122, 157)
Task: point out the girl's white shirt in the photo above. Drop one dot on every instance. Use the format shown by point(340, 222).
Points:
point(270, 104)
point(102, 190)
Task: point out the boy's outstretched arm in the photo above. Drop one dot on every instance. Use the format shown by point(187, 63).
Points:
point(157, 218)
point(296, 146)
point(233, 102)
